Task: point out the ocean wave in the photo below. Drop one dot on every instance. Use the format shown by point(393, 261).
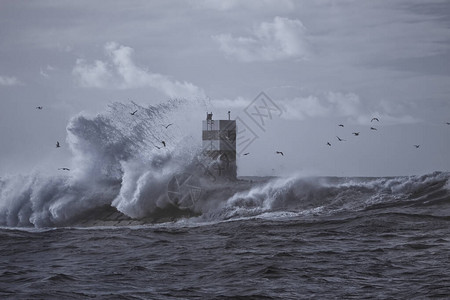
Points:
point(121, 174)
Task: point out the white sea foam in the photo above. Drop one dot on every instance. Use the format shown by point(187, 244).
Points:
point(119, 161)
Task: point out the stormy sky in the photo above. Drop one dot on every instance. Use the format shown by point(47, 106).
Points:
point(320, 63)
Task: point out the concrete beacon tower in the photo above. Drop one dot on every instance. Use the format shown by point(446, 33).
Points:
point(219, 145)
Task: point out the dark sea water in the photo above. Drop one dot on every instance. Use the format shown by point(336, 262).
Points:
point(134, 221)
point(302, 238)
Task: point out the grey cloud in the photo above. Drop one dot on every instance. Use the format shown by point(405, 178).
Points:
point(270, 41)
point(225, 5)
point(9, 81)
point(121, 72)
point(342, 105)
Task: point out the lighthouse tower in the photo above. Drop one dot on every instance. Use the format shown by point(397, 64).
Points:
point(219, 145)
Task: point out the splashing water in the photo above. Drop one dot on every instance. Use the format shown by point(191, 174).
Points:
point(119, 162)
point(118, 159)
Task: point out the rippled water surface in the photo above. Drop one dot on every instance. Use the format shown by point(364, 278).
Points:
point(373, 254)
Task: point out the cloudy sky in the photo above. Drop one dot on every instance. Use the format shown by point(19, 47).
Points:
point(321, 63)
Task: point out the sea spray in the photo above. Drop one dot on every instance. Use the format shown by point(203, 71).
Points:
point(332, 195)
point(119, 163)
point(103, 149)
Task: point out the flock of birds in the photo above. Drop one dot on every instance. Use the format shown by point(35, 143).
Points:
point(342, 140)
point(247, 153)
point(58, 145)
point(371, 128)
point(375, 119)
point(356, 133)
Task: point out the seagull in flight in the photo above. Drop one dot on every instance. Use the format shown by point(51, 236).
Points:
point(167, 126)
point(355, 133)
point(373, 128)
point(65, 169)
point(417, 146)
point(164, 143)
point(328, 143)
point(340, 140)
point(39, 107)
point(246, 153)
point(341, 125)
point(448, 123)
point(374, 119)
point(279, 152)
point(57, 144)
point(133, 112)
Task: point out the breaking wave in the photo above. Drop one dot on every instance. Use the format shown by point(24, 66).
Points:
point(120, 165)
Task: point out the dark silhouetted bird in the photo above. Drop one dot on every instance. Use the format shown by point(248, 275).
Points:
point(164, 143)
point(167, 126)
point(328, 143)
point(417, 146)
point(57, 144)
point(246, 153)
point(65, 169)
point(133, 112)
point(340, 140)
point(373, 128)
point(39, 107)
point(448, 123)
point(341, 125)
point(374, 119)
point(355, 133)
point(279, 152)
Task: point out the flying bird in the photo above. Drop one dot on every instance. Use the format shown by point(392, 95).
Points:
point(448, 123)
point(279, 152)
point(65, 169)
point(373, 128)
point(355, 133)
point(328, 143)
point(167, 126)
point(374, 119)
point(246, 153)
point(133, 112)
point(57, 144)
point(341, 125)
point(39, 107)
point(340, 140)
point(417, 146)
point(164, 143)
